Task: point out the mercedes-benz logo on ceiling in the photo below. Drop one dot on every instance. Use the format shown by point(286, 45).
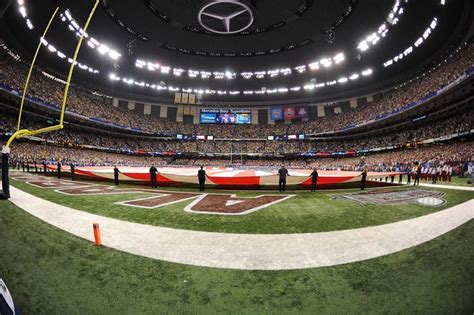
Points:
point(226, 16)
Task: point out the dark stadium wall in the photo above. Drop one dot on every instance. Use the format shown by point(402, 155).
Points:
point(262, 116)
point(139, 108)
point(172, 113)
point(123, 104)
point(188, 119)
point(313, 113)
point(155, 110)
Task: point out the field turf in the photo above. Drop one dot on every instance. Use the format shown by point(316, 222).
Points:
point(52, 272)
point(306, 212)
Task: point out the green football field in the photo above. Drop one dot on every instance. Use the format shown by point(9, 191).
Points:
point(50, 271)
point(306, 212)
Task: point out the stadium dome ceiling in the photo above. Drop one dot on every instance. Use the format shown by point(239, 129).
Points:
point(241, 45)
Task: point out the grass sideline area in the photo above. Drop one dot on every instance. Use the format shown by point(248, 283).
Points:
point(456, 181)
point(49, 271)
point(307, 212)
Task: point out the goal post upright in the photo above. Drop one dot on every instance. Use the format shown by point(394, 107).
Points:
point(22, 133)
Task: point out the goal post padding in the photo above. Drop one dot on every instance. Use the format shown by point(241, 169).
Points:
point(5, 192)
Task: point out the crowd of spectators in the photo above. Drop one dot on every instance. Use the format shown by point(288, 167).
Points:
point(68, 144)
point(454, 158)
point(411, 134)
point(80, 101)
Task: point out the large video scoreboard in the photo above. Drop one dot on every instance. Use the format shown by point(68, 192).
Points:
point(226, 116)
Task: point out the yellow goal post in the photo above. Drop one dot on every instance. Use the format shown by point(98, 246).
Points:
point(21, 133)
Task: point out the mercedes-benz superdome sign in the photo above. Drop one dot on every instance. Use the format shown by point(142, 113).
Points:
point(226, 16)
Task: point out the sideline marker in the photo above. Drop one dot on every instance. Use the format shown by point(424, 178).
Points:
point(98, 241)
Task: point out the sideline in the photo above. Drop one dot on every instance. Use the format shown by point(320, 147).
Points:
point(249, 251)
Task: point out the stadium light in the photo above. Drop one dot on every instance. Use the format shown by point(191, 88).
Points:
point(103, 49)
point(73, 26)
point(193, 73)
point(285, 71)
point(392, 19)
point(367, 72)
point(314, 65)
point(326, 62)
point(114, 55)
point(355, 76)
point(418, 43)
point(29, 24)
point(301, 69)
point(205, 74)
point(273, 73)
point(246, 75)
point(178, 72)
point(230, 75)
point(339, 58)
point(219, 75)
point(23, 11)
point(52, 49)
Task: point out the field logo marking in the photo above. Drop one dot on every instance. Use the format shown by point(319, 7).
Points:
point(399, 197)
point(96, 190)
point(161, 199)
point(55, 184)
point(232, 205)
point(220, 204)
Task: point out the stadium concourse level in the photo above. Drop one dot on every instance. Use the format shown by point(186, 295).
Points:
point(80, 101)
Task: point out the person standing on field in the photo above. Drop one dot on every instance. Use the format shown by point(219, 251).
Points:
point(364, 179)
point(116, 175)
point(282, 174)
point(73, 171)
point(314, 179)
point(202, 179)
point(153, 172)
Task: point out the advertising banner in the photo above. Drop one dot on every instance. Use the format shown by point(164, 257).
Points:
point(290, 112)
point(302, 112)
point(276, 113)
